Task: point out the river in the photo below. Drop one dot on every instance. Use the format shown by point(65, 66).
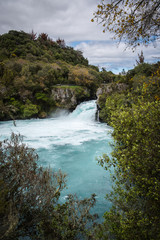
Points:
point(70, 142)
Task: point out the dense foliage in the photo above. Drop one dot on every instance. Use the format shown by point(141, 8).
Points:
point(30, 67)
point(24, 45)
point(134, 115)
point(29, 199)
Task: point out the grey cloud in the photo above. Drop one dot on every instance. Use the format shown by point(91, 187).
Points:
point(108, 54)
point(69, 19)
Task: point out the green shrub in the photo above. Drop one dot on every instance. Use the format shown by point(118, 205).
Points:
point(144, 69)
point(17, 67)
point(4, 54)
point(112, 103)
point(29, 199)
point(30, 110)
point(135, 160)
point(34, 68)
point(41, 96)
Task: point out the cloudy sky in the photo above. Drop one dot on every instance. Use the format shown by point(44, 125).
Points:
point(71, 21)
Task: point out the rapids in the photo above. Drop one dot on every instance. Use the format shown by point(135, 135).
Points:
point(70, 142)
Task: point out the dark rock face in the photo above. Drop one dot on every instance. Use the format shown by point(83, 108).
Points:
point(110, 87)
point(64, 96)
point(69, 97)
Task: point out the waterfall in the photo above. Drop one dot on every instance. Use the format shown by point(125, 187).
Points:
point(86, 111)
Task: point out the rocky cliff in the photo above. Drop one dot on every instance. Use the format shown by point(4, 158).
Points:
point(107, 89)
point(68, 97)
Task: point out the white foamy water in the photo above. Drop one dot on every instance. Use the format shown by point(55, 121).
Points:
point(71, 143)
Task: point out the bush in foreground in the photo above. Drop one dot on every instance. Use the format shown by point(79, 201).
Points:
point(29, 197)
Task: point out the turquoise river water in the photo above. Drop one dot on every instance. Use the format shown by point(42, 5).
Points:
point(70, 142)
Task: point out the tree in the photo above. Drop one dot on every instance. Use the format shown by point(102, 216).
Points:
point(29, 198)
point(140, 58)
point(123, 73)
point(135, 160)
point(61, 43)
point(43, 37)
point(33, 35)
point(136, 22)
point(134, 115)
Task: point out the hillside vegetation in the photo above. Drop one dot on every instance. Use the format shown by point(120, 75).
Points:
point(31, 66)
